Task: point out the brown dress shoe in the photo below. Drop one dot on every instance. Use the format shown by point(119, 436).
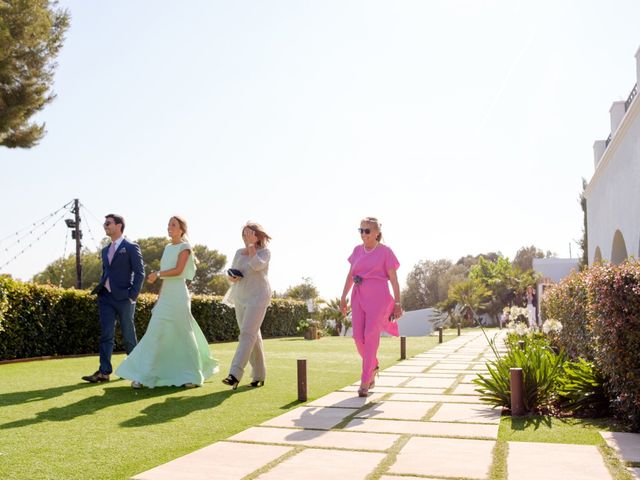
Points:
point(96, 377)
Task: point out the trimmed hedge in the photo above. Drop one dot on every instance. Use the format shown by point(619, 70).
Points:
point(38, 320)
point(600, 312)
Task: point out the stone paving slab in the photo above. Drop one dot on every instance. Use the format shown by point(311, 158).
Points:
point(393, 477)
point(431, 382)
point(627, 445)
point(205, 464)
point(451, 412)
point(635, 473)
point(388, 380)
point(418, 362)
point(419, 375)
point(452, 366)
point(468, 378)
point(310, 417)
point(432, 429)
point(442, 457)
point(554, 461)
point(428, 397)
point(465, 389)
point(344, 400)
point(323, 464)
point(318, 438)
point(354, 388)
point(457, 372)
point(406, 369)
point(399, 410)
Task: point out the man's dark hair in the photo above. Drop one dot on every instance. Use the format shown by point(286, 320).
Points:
point(117, 219)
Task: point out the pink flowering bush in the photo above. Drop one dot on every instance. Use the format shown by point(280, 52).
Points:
point(599, 309)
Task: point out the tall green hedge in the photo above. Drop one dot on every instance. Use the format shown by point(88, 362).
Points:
point(600, 312)
point(37, 320)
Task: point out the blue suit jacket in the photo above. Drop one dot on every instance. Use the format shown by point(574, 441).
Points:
point(126, 271)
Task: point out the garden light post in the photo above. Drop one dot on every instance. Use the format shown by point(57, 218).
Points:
point(516, 385)
point(439, 334)
point(302, 380)
point(458, 328)
point(403, 348)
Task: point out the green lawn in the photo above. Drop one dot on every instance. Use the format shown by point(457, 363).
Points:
point(54, 426)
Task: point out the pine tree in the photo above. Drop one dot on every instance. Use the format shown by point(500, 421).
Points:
point(31, 35)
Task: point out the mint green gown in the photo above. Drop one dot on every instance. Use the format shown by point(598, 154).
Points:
point(173, 350)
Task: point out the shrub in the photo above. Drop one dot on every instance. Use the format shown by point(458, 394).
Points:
point(37, 320)
point(567, 302)
point(581, 389)
point(614, 310)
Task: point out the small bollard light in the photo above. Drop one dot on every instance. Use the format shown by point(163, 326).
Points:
point(458, 328)
point(521, 344)
point(403, 348)
point(517, 387)
point(439, 334)
point(302, 380)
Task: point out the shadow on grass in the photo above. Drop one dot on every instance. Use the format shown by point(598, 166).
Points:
point(19, 398)
point(176, 407)
point(86, 406)
point(535, 421)
point(523, 423)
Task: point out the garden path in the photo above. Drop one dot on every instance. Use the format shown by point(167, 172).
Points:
point(423, 419)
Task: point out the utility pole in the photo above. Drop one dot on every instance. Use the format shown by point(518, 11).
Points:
point(76, 234)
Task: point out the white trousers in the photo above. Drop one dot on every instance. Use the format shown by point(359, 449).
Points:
point(250, 349)
point(531, 313)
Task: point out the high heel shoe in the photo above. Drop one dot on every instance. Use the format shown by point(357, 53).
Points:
point(231, 381)
point(363, 392)
point(257, 383)
point(372, 384)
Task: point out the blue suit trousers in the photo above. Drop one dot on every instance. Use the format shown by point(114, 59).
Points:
point(110, 308)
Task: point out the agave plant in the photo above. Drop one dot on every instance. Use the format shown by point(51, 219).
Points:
point(541, 368)
point(581, 388)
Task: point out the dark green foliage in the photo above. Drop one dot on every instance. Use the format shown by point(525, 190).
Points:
point(31, 35)
point(581, 389)
point(38, 320)
point(540, 366)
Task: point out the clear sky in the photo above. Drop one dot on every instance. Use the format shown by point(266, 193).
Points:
point(465, 126)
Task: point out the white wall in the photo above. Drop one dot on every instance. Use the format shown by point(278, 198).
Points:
point(613, 194)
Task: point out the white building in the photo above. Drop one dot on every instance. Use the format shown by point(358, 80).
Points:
point(613, 194)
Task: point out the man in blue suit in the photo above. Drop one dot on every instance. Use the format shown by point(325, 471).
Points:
point(118, 289)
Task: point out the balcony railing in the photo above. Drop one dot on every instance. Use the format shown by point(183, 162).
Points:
point(627, 104)
point(632, 95)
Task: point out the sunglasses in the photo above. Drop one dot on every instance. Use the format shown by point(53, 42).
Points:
point(364, 230)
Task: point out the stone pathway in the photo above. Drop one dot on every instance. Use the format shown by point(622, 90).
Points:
point(423, 419)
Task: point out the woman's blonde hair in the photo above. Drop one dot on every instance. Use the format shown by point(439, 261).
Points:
point(183, 226)
point(378, 225)
point(263, 237)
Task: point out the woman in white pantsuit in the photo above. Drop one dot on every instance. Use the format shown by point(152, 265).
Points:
point(250, 294)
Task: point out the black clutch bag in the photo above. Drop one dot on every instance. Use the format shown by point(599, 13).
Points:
point(232, 272)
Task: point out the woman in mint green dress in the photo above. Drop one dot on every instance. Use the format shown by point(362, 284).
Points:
point(173, 351)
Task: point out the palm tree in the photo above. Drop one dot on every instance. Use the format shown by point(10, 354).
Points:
point(470, 296)
point(331, 311)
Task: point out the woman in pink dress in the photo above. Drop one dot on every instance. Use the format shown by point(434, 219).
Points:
point(373, 309)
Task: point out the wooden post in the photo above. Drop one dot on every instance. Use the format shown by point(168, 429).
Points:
point(439, 334)
point(521, 344)
point(403, 348)
point(302, 380)
point(458, 328)
point(517, 387)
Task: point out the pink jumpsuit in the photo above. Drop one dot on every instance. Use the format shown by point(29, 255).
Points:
point(371, 303)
